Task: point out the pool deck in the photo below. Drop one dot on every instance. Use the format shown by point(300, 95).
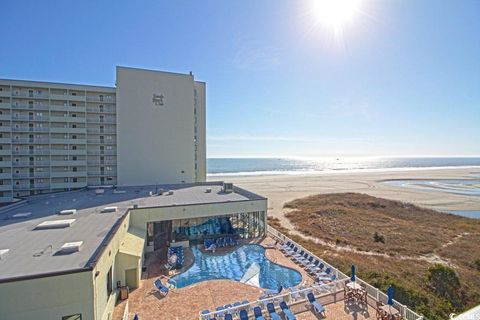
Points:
point(186, 303)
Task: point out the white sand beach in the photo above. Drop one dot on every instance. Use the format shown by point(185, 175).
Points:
point(283, 188)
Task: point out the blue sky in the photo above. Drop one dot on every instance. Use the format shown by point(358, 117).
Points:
point(403, 78)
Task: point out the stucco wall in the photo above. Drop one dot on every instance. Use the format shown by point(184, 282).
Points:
point(156, 142)
point(48, 298)
point(200, 88)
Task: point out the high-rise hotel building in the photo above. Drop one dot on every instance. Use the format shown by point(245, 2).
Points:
point(148, 129)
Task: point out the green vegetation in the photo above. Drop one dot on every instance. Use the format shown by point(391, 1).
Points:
point(431, 259)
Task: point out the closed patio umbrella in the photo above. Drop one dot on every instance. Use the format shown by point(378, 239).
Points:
point(353, 273)
point(390, 295)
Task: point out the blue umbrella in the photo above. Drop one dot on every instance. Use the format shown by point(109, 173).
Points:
point(390, 295)
point(135, 317)
point(353, 273)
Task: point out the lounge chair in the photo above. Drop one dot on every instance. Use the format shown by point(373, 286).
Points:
point(285, 246)
point(311, 268)
point(243, 314)
point(271, 311)
point(291, 252)
point(257, 313)
point(286, 311)
point(317, 307)
point(298, 256)
point(228, 316)
point(160, 287)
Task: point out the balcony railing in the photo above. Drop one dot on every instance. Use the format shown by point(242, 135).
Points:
point(101, 98)
point(22, 106)
point(29, 118)
point(29, 95)
point(30, 129)
point(97, 130)
point(30, 141)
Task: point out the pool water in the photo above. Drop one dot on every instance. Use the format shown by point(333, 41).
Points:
point(234, 265)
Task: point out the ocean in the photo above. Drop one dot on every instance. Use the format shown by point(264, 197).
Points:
point(274, 166)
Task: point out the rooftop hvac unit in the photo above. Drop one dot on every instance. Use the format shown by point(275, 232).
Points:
point(208, 190)
point(21, 215)
point(109, 209)
point(67, 212)
point(170, 192)
point(227, 187)
point(118, 191)
point(70, 247)
point(55, 224)
point(99, 191)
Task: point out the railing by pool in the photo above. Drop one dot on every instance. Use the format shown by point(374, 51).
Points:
point(288, 296)
point(372, 292)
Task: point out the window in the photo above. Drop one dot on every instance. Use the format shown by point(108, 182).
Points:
point(74, 180)
point(109, 282)
point(77, 316)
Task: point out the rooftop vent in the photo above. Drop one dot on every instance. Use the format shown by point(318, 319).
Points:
point(3, 253)
point(70, 247)
point(21, 215)
point(109, 209)
point(150, 193)
point(170, 192)
point(55, 224)
point(118, 191)
point(208, 190)
point(99, 191)
point(227, 187)
point(67, 212)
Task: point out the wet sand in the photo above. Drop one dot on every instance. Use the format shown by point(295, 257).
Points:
point(283, 188)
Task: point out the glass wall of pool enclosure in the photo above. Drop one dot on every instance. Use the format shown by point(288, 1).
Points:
point(243, 225)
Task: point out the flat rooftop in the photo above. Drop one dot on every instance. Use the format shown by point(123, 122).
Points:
point(36, 252)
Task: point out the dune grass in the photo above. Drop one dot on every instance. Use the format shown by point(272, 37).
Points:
point(393, 243)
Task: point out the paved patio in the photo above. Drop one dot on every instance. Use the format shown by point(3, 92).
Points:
point(186, 303)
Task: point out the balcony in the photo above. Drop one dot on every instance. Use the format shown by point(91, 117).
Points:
point(5, 152)
point(67, 119)
point(67, 97)
point(101, 141)
point(101, 98)
point(6, 175)
point(5, 187)
point(6, 140)
point(23, 94)
point(26, 152)
point(63, 163)
point(30, 141)
point(101, 111)
point(6, 117)
point(27, 117)
point(100, 162)
point(25, 106)
point(67, 141)
point(5, 128)
point(26, 186)
point(5, 105)
point(98, 130)
point(96, 120)
point(110, 173)
point(62, 174)
point(55, 107)
point(5, 93)
point(68, 185)
point(67, 130)
point(30, 129)
point(61, 152)
point(104, 152)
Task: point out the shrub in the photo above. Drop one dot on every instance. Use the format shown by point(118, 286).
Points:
point(378, 237)
point(444, 281)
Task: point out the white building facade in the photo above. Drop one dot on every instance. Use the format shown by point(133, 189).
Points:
point(149, 129)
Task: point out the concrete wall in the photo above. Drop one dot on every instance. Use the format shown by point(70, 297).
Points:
point(48, 298)
point(105, 303)
point(200, 88)
point(156, 141)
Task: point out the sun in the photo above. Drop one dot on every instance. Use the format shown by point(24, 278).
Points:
point(335, 13)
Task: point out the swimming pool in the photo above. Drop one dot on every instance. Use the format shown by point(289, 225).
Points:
point(234, 265)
